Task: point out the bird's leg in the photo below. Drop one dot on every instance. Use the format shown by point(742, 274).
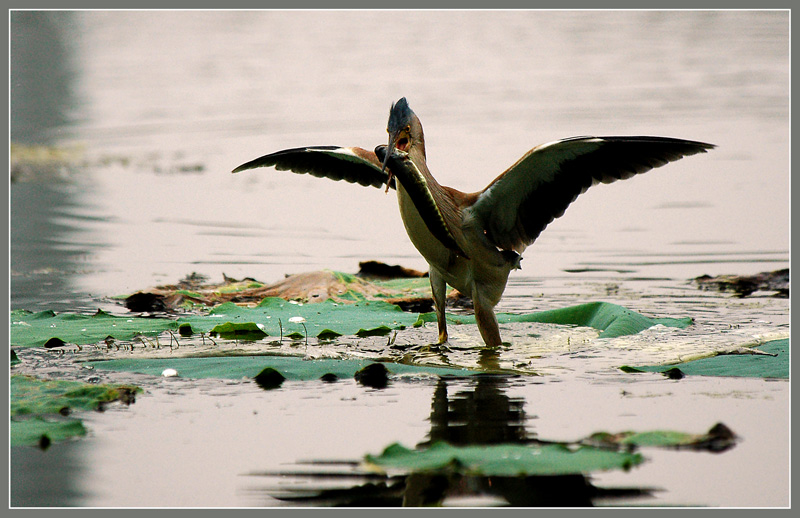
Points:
point(439, 291)
point(485, 318)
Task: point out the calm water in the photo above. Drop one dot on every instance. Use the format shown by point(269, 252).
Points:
point(156, 108)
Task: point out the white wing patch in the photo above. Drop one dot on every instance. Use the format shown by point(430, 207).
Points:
point(344, 153)
point(546, 145)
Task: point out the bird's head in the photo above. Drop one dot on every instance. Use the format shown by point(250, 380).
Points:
point(405, 132)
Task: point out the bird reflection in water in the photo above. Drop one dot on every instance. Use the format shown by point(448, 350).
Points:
point(485, 415)
point(479, 412)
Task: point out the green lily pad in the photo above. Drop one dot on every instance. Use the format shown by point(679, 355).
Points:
point(238, 330)
point(324, 320)
point(271, 317)
point(37, 430)
point(274, 316)
point(774, 364)
point(36, 329)
point(718, 438)
point(31, 395)
point(238, 367)
point(611, 319)
point(505, 460)
point(37, 406)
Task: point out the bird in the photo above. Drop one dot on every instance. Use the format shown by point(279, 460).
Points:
point(473, 241)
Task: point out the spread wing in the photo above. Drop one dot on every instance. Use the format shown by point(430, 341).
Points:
point(351, 164)
point(521, 202)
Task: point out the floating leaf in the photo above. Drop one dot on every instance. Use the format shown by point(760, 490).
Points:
point(505, 460)
point(320, 319)
point(324, 320)
point(238, 367)
point(239, 330)
point(37, 329)
point(773, 364)
point(31, 395)
point(37, 406)
point(611, 319)
point(37, 430)
point(718, 438)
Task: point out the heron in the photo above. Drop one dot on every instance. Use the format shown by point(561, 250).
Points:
point(473, 241)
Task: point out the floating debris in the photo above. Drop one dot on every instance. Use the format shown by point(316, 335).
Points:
point(379, 270)
point(745, 285)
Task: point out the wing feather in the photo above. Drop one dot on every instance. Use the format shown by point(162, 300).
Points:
point(351, 164)
point(521, 202)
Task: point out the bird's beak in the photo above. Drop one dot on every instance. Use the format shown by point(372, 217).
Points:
point(393, 137)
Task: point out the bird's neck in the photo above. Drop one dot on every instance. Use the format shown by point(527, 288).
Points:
point(417, 155)
point(417, 150)
point(443, 196)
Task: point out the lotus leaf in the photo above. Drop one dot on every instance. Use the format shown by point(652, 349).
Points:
point(505, 460)
point(612, 320)
point(37, 406)
point(238, 367)
point(325, 320)
point(773, 364)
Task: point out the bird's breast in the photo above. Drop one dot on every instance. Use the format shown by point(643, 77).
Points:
point(485, 266)
point(455, 269)
point(431, 248)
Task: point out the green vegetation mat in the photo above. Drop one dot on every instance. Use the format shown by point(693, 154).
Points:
point(276, 317)
point(327, 320)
